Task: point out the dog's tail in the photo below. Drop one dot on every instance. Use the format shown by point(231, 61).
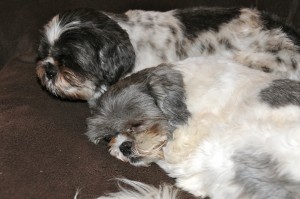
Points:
point(136, 190)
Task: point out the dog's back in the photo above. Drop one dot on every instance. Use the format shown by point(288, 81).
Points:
point(243, 137)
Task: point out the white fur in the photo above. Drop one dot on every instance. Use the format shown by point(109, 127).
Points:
point(227, 117)
point(54, 28)
point(114, 150)
point(146, 55)
point(140, 190)
point(245, 34)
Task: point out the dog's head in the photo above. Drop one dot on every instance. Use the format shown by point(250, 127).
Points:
point(138, 114)
point(81, 52)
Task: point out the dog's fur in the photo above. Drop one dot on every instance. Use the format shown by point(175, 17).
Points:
point(138, 190)
point(221, 129)
point(84, 51)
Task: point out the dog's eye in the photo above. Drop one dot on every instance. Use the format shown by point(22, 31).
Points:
point(107, 138)
point(133, 127)
point(131, 130)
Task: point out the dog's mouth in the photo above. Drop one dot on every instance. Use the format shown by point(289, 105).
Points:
point(138, 160)
point(133, 159)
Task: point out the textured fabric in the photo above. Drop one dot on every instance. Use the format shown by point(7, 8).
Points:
point(43, 152)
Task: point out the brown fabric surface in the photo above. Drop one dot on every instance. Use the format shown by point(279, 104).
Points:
point(43, 152)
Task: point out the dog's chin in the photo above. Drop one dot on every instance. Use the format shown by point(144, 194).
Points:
point(133, 160)
point(65, 90)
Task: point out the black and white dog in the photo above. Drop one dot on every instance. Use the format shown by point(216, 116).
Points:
point(221, 129)
point(84, 51)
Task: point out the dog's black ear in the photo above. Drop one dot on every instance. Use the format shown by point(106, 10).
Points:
point(117, 58)
point(166, 87)
point(103, 47)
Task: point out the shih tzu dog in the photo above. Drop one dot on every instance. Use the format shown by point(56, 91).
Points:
point(84, 51)
point(219, 128)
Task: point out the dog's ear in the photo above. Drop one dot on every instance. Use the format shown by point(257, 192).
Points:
point(166, 87)
point(117, 58)
point(106, 45)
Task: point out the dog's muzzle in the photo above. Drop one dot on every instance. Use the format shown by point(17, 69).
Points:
point(50, 71)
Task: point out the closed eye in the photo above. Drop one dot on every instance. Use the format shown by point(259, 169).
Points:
point(107, 138)
point(134, 127)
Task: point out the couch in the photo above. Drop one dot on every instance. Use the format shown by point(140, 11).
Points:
point(43, 152)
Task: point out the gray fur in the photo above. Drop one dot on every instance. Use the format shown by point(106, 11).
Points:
point(226, 43)
point(154, 95)
point(257, 174)
point(166, 87)
point(281, 92)
point(294, 63)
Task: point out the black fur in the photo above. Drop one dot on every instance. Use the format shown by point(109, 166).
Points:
point(281, 93)
point(98, 47)
point(201, 19)
point(273, 22)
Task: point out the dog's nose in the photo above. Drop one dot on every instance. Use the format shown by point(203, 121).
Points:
point(50, 71)
point(125, 148)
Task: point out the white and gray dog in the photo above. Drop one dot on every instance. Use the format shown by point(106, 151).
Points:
point(84, 51)
point(221, 129)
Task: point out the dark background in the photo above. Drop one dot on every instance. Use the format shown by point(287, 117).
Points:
point(43, 153)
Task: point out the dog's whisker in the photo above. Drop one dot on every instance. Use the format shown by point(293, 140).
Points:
point(151, 151)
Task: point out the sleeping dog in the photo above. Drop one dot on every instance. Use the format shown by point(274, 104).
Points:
point(82, 52)
point(219, 128)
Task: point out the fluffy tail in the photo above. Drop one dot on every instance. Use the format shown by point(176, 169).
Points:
point(138, 190)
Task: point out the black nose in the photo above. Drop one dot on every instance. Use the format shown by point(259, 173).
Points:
point(50, 71)
point(125, 148)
